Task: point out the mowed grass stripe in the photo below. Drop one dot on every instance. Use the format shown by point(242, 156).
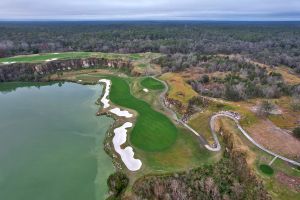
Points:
point(152, 84)
point(153, 131)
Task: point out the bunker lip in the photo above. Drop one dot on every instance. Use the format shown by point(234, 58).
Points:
point(126, 154)
point(120, 131)
point(121, 113)
point(52, 59)
point(104, 99)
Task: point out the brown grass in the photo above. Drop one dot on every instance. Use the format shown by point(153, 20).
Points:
point(228, 127)
point(179, 89)
point(268, 135)
point(289, 119)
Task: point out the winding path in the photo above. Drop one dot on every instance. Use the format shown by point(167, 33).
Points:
point(202, 140)
point(212, 127)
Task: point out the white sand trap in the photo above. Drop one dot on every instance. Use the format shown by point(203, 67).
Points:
point(79, 81)
point(55, 53)
point(120, 113)
point(104, 99)
point(127, 154)
point(146, 90)
point(52, 59)
point(6, 63)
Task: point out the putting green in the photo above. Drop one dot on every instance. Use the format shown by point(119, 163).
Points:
point(266, 169)
point(153, 131)
point(152, 84)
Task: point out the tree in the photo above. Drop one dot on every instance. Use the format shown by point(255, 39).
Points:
point(296, 132)
point(265, 108)
point(205, 78)
point(117, 183)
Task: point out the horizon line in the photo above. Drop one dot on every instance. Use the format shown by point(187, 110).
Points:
point(145, 20)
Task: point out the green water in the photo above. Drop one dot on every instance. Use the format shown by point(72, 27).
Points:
point(51, 143)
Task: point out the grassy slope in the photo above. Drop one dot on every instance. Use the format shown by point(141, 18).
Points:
point(152, 84)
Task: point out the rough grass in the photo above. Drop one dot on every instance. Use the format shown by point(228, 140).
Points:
point(179, 90)
point(153, 131)
point(200, 122)
point(152, 84)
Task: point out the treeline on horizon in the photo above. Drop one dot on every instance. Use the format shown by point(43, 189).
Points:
point(273, 43)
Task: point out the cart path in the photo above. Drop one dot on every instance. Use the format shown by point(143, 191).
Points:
point(217, 145)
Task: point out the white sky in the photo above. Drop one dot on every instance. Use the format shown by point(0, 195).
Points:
point(150, 9)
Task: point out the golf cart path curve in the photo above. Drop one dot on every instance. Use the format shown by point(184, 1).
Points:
point(212, 127)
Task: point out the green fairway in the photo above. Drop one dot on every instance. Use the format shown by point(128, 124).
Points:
point(153, 131)
point(39, 58)
point(152, 84)
point(266, 169)
point(44, 57)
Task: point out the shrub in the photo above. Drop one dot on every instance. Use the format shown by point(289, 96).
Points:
point(117, 183)
point(296, 132)
point(265, 108)
point(205, 78)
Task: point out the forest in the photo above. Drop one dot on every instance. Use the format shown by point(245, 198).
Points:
point(273, 43)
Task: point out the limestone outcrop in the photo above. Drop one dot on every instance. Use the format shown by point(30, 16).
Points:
point(35, 71)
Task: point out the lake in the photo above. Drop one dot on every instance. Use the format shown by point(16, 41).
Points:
point(51, 142)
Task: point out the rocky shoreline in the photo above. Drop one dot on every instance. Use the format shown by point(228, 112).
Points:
point(37, 71)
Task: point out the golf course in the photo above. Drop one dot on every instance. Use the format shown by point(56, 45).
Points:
point(152, 131)
point(152, 84)
point(139, 136)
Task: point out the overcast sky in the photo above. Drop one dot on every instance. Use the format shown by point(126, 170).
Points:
point(150, 10)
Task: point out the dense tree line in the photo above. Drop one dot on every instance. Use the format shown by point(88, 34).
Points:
point(271, 43)
point(243, 80)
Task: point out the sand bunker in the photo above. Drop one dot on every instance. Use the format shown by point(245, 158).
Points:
point(120, 113)
point(52, 59)
point(127, 154)
point(145, 90)
point(104, 99)
point(6, 63)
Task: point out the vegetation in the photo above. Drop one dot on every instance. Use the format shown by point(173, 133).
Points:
point(271, 43)
point(243, 80)
point(180, 93)
point(44, 57)
point(230, 178)
point(296, 132)
point(117, 183)
point(265, 108)
point(225, 58)
point(153, 131)
point(152, 84)
point(266, 169)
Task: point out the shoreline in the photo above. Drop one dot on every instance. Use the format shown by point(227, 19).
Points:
point(116, 143)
